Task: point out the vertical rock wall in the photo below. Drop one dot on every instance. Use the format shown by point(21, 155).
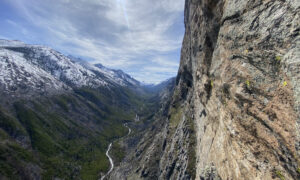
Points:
point(243, 61)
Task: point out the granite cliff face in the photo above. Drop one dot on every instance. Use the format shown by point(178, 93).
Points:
point(235, 110)
point(243, 60)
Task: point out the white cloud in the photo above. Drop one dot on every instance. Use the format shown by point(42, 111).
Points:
point(117, 33)
point(165, 61)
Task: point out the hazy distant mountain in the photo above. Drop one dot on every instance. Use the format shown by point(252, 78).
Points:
point(110, 75)
point(156, 88)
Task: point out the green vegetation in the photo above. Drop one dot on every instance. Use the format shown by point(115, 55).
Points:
point(284, 83)
point(3, 135)
point(247, 82)
point(40, 139)
point(69, 134)
point(95, 162)
point(298, 170)
point(62, 102)
point(117, 152)
point(121, 105)
point(175, 116)
point(12, 154)
point(279, 175)
point(21, 153)
point(10, 125)
point(191, 167)
point(278, 58)
point(64, 145)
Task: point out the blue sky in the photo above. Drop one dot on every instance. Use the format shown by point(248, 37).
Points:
point(141, 37)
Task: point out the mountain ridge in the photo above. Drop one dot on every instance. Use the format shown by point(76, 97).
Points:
point(35, 69)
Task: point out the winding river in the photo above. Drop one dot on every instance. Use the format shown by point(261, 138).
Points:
point(108, 156)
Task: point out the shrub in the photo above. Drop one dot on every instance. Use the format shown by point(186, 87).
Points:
point(278, 58)
point(284, 83)
point(279, 175)
point(247, 82)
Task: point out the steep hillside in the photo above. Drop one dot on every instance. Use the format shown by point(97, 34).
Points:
point(58, 116)
point(235, 110)
point(63, 135)
point(146, 144)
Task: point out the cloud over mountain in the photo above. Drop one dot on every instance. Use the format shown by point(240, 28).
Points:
point(141, 37)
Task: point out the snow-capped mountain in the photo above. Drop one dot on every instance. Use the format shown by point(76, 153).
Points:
point(115, 76)
point(29, 69)
point(118, 75)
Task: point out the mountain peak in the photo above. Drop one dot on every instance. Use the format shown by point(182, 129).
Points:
point(27, 69)
point(4, 42)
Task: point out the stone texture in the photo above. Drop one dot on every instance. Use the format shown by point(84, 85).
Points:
point(244, 60)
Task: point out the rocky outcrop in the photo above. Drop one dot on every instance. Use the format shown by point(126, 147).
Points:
point(235, 111)
point(243, 57)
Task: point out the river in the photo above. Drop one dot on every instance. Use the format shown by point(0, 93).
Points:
point(108, 156)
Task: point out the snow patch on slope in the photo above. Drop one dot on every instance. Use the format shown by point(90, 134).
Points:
point(32, 68)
